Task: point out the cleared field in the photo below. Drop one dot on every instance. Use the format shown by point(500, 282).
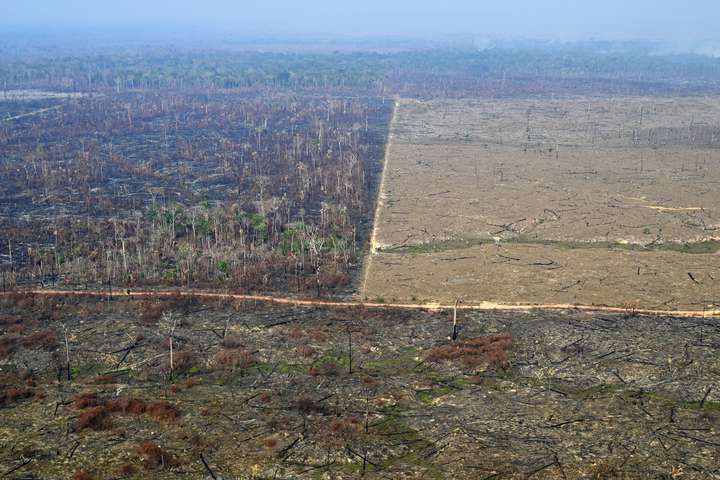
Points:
point(610, 201)
point(582, 396)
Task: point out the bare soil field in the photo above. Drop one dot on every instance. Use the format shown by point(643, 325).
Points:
point(591, 200)
point(255, 391)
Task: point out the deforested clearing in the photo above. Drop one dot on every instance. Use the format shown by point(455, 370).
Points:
point(588, 200)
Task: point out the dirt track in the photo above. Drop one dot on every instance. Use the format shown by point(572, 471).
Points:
point(483, 306)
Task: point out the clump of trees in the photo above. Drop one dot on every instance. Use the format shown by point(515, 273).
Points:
point(500, 69)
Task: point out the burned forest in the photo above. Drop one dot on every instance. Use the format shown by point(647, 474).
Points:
point(256, 192)
point(357, 258)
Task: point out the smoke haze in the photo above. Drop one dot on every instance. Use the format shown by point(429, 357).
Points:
point(663, 20)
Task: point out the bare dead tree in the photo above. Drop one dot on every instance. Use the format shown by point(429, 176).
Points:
point(349, 332)
point(455, 325)
point(67, 352)
point(169, 322)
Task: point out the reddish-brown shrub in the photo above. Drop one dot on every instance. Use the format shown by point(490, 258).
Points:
point(295, 333)
point(492, 351)
point(98, 380)
point(6, 320)
point(233, 359)
point(334, 279)
point(180, 302)
point(81, 474)
point(369, 381)
point(150, 311)
point(183, 360)
point(15, 329)
point(162, 411)
point(46, 339)
point(23, 300)
point(94, 418)
point(306, 350)
point(153, 456)
point(344, 426)
point(126, 406)
point(7, 345)
point(186, 384)
point(232, 342)
point(189, 383)
point(270, 442)
point(317, 335)
point(22, 376)
point(327, 368)
point(337, 425)
point(274, 422)
point(86, 400)
point(157, 410)
point(11, 395)
point(126, 469)
point(308, 405)
point(265, 397)
point(25, 375)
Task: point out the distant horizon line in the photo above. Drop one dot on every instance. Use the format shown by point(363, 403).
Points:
point(89, 38)
point(284, 34)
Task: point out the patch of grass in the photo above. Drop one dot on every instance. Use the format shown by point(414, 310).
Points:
point(709, 406)
point(88, 370)
point(437, 246)
point(708, 246)
point(427, 396)
point(282, 368)
point(702, 247)
point(623, 391)
point(330, 364)
point(601, 390)
point(395, 427)
point(393, 363)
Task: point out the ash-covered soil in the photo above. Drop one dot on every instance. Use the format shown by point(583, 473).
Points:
point(260, 391)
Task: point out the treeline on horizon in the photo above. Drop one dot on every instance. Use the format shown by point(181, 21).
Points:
point(516, 68)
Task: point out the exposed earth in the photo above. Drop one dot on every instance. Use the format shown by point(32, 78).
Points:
point(588, 200)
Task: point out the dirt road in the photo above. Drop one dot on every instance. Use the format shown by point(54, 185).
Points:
point(483, 306)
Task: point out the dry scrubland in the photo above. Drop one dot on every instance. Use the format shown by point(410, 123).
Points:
point(588, 200)
point(260, 391)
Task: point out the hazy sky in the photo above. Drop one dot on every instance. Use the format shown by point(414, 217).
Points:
point(674, 20)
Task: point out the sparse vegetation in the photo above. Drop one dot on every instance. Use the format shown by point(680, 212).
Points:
point(156, 183)
point(539, 374)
